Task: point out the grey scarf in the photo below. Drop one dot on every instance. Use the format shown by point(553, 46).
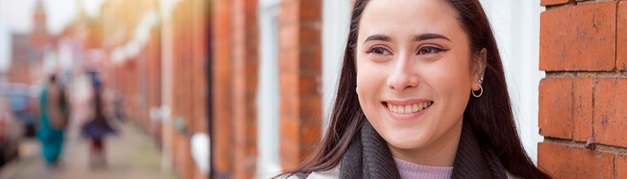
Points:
point(368, 156)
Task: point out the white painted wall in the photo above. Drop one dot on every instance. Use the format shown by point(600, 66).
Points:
point(516, 27)
point(335, 20)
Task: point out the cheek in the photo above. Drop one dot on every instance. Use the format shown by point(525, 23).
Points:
point(453, 74)
point(370, 81)
point(452, 83)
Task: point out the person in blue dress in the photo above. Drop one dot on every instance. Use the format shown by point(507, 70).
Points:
point(52, 121)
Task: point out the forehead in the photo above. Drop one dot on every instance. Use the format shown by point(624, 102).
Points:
point(409, 17)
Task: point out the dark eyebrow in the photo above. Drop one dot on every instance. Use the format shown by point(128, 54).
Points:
point(378, 37)
point(429, 36)
point(420, 37)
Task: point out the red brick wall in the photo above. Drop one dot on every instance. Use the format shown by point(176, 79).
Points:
point(153, 80)
point(221, 150)
point(235, 88)
point(190, 52)
point(235, 74)
point(181, 78)
point(200, 58)
point(582, 50)
point(244, 87)
point(139, 79)
point(300, 63)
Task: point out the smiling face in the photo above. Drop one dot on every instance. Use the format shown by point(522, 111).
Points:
point(415, 72)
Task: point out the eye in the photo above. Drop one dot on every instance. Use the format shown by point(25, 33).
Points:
point(379, 51)
point(430, 50)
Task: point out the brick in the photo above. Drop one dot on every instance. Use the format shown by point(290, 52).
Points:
point(313, 37)
point(251, 73)
point(288, 36)
point(310, 133)
point(582, 108)
point(621, 36)
point(289, 12)
point(288, 61)
point(310, 10)
point(310, 108)
point(621, 166)
point(579, 38)
point(610, 118)
point(251, 131)
point(309, 86)
point(221, 68)
point(290, 130)
point(288, 84)
point(553, 2)
point(556, 107)
point(561, 161)
point(289, 106)
point(289, 153)
point(299, 71)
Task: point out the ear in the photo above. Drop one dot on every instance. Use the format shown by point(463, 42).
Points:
point(479, 64)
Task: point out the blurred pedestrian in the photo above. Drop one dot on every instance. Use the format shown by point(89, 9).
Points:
point(118, 107)
point(54, 117)
point(97, 127)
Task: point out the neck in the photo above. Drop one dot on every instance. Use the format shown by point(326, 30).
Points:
point(440, 152)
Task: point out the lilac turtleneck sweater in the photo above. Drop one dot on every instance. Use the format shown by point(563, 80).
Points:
point(411, 170)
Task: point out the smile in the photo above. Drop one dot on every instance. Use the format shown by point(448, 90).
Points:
point(409, 108)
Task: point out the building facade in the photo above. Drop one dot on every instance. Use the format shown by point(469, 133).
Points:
point(156, 57)
point(28, 50)
point(259, 77)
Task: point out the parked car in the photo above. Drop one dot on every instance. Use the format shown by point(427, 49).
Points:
point(22, 103)
point(23, 108)
point(11, 132)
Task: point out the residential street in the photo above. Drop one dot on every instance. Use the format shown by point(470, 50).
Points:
point(131, 154)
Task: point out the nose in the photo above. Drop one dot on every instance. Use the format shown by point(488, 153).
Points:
point(404, 76)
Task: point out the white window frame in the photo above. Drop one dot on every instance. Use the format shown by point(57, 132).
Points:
point(268, 104)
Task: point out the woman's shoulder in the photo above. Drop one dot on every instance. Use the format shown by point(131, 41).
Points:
point(327, 174)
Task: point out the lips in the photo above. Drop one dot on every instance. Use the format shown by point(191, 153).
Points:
point(408, 108)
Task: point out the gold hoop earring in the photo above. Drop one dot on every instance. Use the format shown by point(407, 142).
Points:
point(480, 92)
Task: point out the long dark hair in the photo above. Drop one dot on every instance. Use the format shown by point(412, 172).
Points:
point(490, 115)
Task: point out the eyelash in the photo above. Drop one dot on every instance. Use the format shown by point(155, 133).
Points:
point(379, 51)
point(430, 50)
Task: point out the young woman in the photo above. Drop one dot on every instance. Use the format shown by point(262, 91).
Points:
point(422, 94)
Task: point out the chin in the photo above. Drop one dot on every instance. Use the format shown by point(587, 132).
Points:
point(407, 140)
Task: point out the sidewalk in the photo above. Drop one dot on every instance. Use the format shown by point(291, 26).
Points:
point(131, 154)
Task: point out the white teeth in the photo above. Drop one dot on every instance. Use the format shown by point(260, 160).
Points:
point(408, 109)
